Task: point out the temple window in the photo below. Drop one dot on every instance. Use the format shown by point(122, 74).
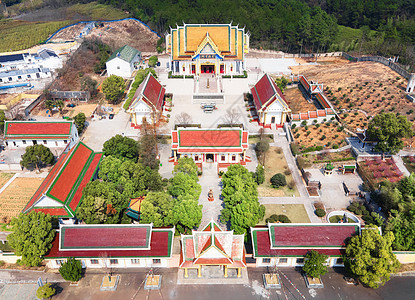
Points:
point(266, 260)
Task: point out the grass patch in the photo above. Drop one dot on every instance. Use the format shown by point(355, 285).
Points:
point(4, 177)
point(275, 163)
point(295, 212)
point(19, 35)
point(409, 163)
point(336, 219)
point(4, 227)
point(96, 11)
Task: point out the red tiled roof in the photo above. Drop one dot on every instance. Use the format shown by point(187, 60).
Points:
point(96, 237)
point(303, 116)
point(262, 91)
point(23, 129)
point(68, 177)
point(52, 211)
point(85, 179)
point(160, 246)
point(154, 92)
point(174, 137)
point(313, 114)
point(210, 138)
point(315, 236)
point(213, 261)
point(321, 113)
point(262, 247)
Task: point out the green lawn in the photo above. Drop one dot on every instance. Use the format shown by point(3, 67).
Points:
point(295, 212)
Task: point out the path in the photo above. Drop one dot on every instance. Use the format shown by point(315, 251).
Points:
point(331, 150)
point(281, 141)
point(399, 163)
point(210, 180)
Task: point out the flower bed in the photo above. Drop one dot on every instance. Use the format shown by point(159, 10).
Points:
point(377, 170)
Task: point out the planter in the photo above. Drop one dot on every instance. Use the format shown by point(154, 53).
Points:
point(153, 282)
point(313, 283)
point(109, 283)
point(272, 281)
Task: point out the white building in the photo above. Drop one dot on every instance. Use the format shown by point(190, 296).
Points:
point(270, 103)
point(123, 61)
point(113, 246)
point(147, 102)
point(49, 134)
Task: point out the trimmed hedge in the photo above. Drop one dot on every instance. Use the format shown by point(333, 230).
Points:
point(236, 76)
point(320, 212)
point(278, 219)
point(187, 125)
point(333, 160)
point(180, 76)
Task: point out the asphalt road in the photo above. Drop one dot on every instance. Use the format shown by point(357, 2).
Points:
point(131, 285)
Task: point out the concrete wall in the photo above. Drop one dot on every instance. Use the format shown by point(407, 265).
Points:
point(10, 258)
point(292, 262)
point(121, 263)
point(405, 257)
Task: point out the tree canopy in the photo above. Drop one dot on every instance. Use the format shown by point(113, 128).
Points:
point(186, 165)
point(32, 236)
point(156, 208)
point(240, 196)
point(315, 264)
point(113, 87)
point(152, 61)
point(80, 120)
point(45, 291)
point(37, 156)
point(369, 257)
point(389, 130)
point(121, 147)
point(71, 270)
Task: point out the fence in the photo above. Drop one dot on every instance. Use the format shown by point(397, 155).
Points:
point(387, 62)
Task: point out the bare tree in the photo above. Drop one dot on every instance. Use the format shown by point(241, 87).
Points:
point(183, 118)
point(232, 116)
point(106, 264)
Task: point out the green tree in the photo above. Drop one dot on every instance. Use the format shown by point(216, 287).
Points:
point(148, 146)
point(186, 165)
point(32, 236)
point(315, 264)
point(184, 184)
point(389, 130)
point(186, 213)
point(278, 180)
point(113, 87)
point(80, 120)
point(37, 156)
point(156, 208)
point(402, 225)
point(369, 257)
point(2, 119)
point(121, 147)
point(281, 83)
point(260, 174)
point(45, 291)
point(71, 270)
point(152, 61)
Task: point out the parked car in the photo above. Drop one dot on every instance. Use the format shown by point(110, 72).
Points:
point(70, 105)
point(111, 116)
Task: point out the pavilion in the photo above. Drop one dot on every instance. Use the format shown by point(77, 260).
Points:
point(212, 247)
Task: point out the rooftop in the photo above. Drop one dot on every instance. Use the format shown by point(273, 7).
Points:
point(126, 53)
point(39, 130)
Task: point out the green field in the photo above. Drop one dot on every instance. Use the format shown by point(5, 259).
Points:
point(295, 212)
point(19, 35)
point(95, 11)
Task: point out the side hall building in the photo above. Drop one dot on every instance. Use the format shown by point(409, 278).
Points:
point(112, 246)
point(207, 48)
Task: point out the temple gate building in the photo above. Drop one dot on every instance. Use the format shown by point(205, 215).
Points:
point(212, 247)
point(225, 146)
point(207, 48)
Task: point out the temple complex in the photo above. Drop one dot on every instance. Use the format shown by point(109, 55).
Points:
point(212, 247)
point(207, 48)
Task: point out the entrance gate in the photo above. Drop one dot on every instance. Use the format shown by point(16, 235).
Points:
point(207, 68)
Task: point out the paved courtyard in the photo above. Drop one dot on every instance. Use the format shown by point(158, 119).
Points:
point(332, 192)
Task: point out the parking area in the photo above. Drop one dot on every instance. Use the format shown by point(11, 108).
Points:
point(332, 191)
point(18, 291)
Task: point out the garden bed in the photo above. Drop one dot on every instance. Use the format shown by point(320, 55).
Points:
point(375, 171)
point(275, 163)
point(409, 162)
point(337, 158)
point(329, 135)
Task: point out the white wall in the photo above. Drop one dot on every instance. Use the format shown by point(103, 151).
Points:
point(122, 263)
point(119, 67)
point(292, 262)
point(11, 144)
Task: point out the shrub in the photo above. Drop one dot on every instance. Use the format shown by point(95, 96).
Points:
point(287, 172)
point(71, 270)
point(278, 219)
point(320, 212)
point(304, 123)
point(278, 180)
point(2, 263)
point(260, 174)
point(291, 185)
point(221, 173)
point(45, 291)
point(293, 126)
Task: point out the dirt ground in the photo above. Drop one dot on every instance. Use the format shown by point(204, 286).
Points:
point(87, 109)
point(116, 34)
point(297, 102)
point(371, 87)
point(275, 163)
point(354, 119)
point(326, 135)
point(17, 194)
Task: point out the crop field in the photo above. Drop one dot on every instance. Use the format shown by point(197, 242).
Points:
point(19, 35)
point(326, 136)
point(14, 198)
